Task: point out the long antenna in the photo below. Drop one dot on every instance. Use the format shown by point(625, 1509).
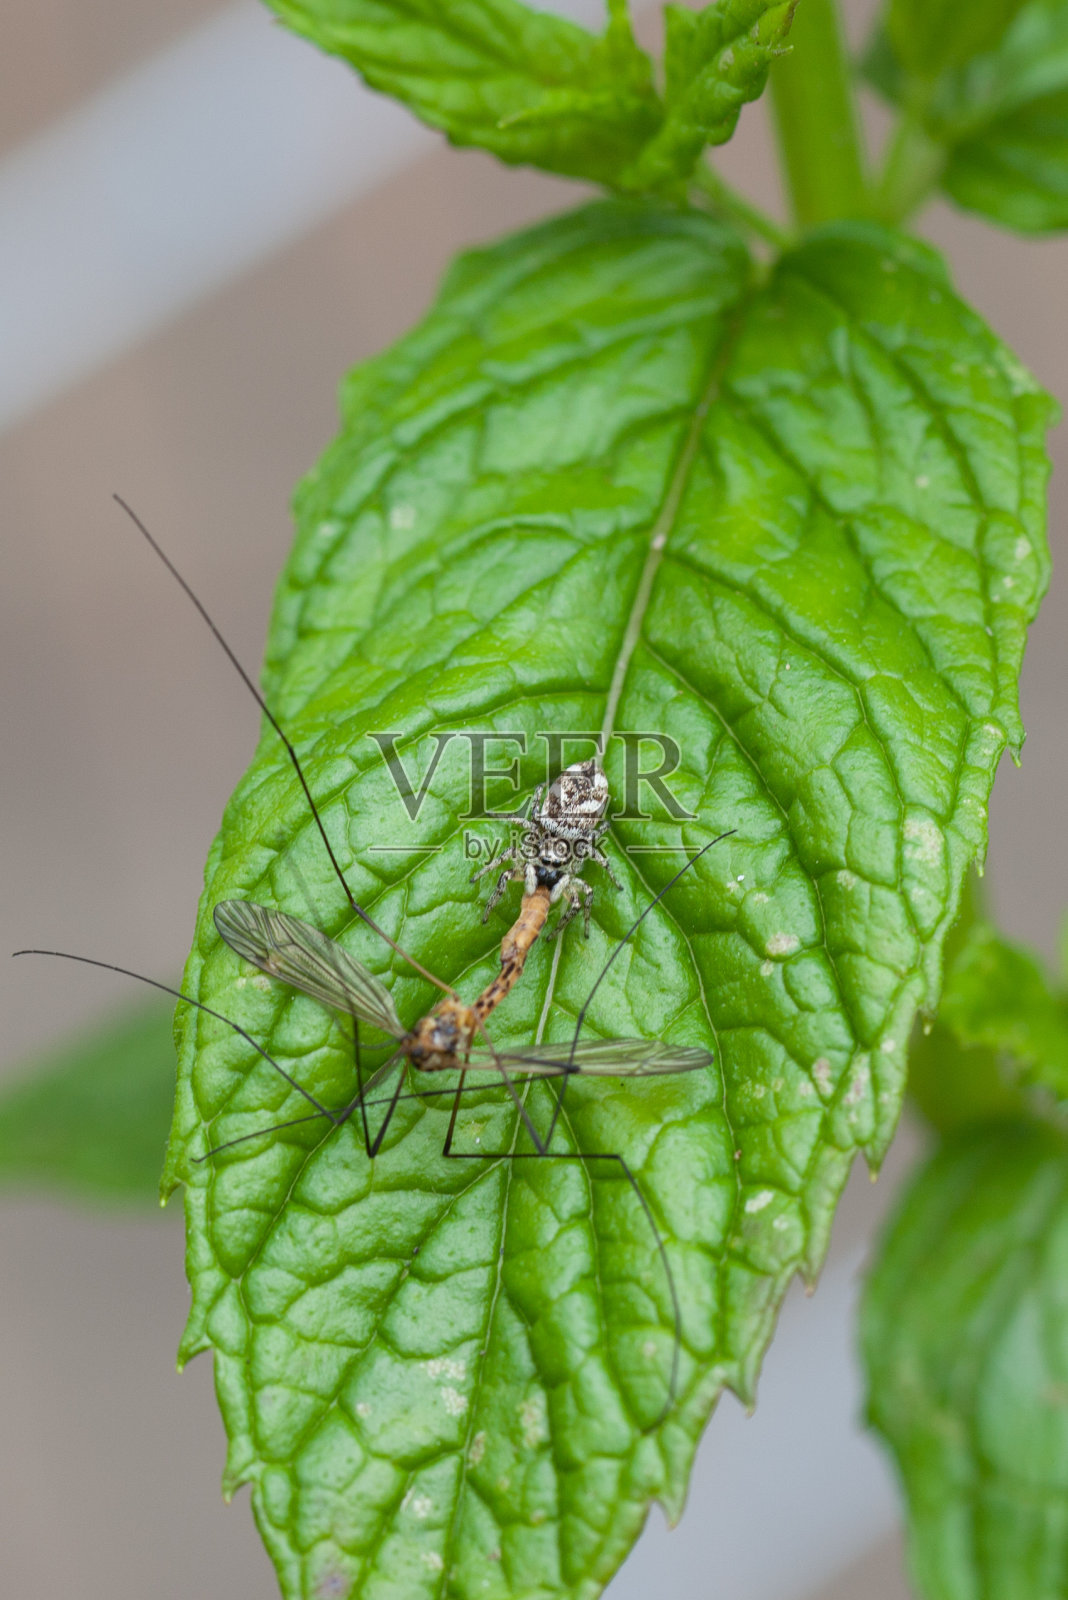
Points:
point(292, 754)
point(165, 988)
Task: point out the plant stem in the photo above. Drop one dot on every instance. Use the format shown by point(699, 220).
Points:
point(911, 169)
point(816, 119)
point(727, 202)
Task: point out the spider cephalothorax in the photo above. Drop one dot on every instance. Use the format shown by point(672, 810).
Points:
point(562, 833)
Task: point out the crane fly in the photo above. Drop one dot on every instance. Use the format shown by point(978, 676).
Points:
point(300, 955)
point(450, 1037)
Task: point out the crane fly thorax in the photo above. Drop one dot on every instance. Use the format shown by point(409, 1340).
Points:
point(440, 1039)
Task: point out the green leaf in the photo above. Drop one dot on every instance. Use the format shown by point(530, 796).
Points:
point(998, 996)
point(531, 87)
point(1002, 117)
point(715, 60)
point(965, 1338)
point(1011, 164)
point(929, 37)
point(1000, 1036)
point(90, 1120)
point(616, 479)
point(954, 1084)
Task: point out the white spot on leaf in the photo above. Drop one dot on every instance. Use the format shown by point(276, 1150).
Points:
point(401, 518)
point(858, 1086)
point(923, 841)
point(821, 1071)
point(446, 1367)
point(454, 1402)
point(532, 1422)
point(782, 944)
point(759, 1201)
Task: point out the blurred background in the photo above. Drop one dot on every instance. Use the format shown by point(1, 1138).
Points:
point(204, 223)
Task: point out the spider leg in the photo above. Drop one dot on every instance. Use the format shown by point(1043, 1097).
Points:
point(494, 861)
point(606, 866)
point(562, 890)
point(587, 905)
point(503, 881)
point(575, 892)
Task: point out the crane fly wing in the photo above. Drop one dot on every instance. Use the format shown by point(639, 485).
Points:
point(604, 1058)
point(298, 954)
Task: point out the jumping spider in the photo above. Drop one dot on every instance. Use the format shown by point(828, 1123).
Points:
point(558, 838)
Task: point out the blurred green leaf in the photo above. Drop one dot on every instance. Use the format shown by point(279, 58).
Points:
point(998, 995)
point(931, 37)
point(1000, 112)
point(1000, 1034)
point(965, 1338)
point(616, 478)
point(90, 1119)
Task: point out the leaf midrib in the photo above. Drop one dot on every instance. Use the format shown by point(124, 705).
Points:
point(659, 535)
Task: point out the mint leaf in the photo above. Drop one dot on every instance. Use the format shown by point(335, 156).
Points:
point(1002, 117)
point(998, 996)
point(90, 1120)
point(616, 478)
point(531, 87)
point(1011, 161)
point(715, 60)
point(966, 1348)
point(931, 36)
point(1001, 1034)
